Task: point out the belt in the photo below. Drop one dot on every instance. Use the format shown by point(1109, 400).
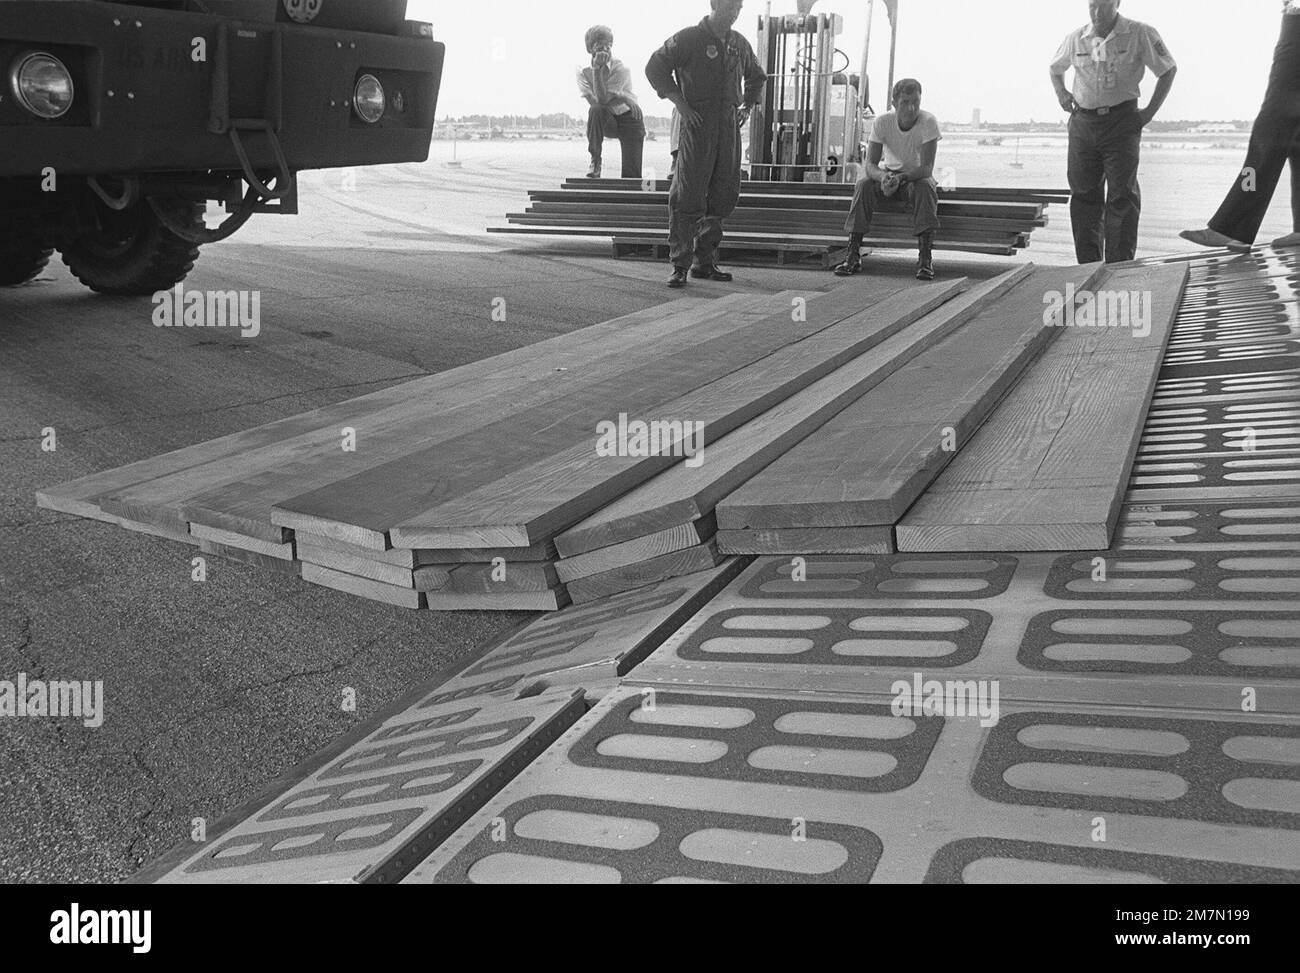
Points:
point(1112, 108)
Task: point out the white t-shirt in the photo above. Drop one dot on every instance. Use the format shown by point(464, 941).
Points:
point(903, 148)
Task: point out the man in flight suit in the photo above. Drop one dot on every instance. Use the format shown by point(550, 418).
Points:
point(710, 74)
point(1109, 57)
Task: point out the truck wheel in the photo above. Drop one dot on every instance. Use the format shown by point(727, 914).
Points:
point(22, 257)
point(130, 252)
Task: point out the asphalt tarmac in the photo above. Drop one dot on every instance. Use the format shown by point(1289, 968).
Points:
point(212, 690)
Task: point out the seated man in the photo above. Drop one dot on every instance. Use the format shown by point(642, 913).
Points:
point(899, 171)
point(614, 112)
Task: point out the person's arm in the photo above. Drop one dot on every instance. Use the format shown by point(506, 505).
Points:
point(871, 169)
point(1060, 64)
point(600, 82)
point(755, 79)
point(929, 153)
point(585, 87)
point(1163, 87)
point(659, 72)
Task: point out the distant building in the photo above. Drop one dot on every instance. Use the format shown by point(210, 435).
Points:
point(976, 119)
point(1214, 128)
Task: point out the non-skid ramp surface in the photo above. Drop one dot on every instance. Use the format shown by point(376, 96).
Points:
point(869, 464)
point(371, 809)
point(660, 785)
point(375, 811)
point(1168, 631)
point(1049, 469)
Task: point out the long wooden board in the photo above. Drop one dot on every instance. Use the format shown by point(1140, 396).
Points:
point(1049, 471)
point(684, 493)
point(675, 565)
point(81, 497)
point(869, 464)
point(638, 549)
point(818, 540)
point(546, 601)
point(240, 496)
point(548, 496)
point(363, 587)
point(363, 509)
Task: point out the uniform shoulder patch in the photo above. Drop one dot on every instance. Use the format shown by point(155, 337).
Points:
point(1161, 49)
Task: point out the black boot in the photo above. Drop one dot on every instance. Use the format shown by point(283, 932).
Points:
point(678, 279)
point(711, 272)
point(925, 267)
point(853, 265)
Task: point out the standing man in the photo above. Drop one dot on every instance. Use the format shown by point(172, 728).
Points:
point(1274, 139)
point(607, 85)
point(710, 74)
point(1109, 56)
point(899, 171)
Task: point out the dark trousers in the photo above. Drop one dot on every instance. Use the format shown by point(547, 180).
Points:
point(1105, 198)
point(628, 128)
point(1273, 142)
point(706, 186)
point(920, 200)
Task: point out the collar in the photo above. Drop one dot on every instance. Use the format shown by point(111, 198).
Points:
point(704, 26)
point(1122, 26)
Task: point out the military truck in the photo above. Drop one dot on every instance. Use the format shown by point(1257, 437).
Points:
point(120, 122)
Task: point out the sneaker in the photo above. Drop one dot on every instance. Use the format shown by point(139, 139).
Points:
point(1215, 240)
point(678, 279)
point(925, 270)
point(594, 171)
point(850, 268)
point(711, 272)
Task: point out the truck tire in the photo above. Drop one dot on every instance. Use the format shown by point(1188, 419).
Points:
point(130, 252)
point(22, 257)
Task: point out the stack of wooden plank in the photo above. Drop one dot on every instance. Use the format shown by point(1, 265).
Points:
point(778, 219)
point(447, 492)
point(879, 416)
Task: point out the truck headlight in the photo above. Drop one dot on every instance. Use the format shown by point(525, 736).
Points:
point(368, 99)
point(42, 85)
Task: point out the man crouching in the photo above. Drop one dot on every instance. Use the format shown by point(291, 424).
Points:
point(899, 172)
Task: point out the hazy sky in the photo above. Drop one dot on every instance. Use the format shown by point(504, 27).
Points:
point(519, 56)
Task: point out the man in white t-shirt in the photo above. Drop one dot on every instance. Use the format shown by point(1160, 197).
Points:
point(614, 112)
point(899, 171)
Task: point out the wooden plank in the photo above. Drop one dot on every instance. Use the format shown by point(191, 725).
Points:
point(281, 552)
point(870, 463)
point(799, 542)
point(319, 543)
point(247, 488)
point(755, 241)
point(488, 579)
point(685, 493)
point(360, 567)
point(363, 587)
point(251, 558)
point(638, 549)
point(1048, 472)
point(362, 509)
point(675, 565)
point(546, 601)
point(548, 496)
point(81, 497)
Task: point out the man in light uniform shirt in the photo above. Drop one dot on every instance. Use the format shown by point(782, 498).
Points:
point(1109, 56)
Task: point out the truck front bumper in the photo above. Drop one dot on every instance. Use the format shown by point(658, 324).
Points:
point(158, 91)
